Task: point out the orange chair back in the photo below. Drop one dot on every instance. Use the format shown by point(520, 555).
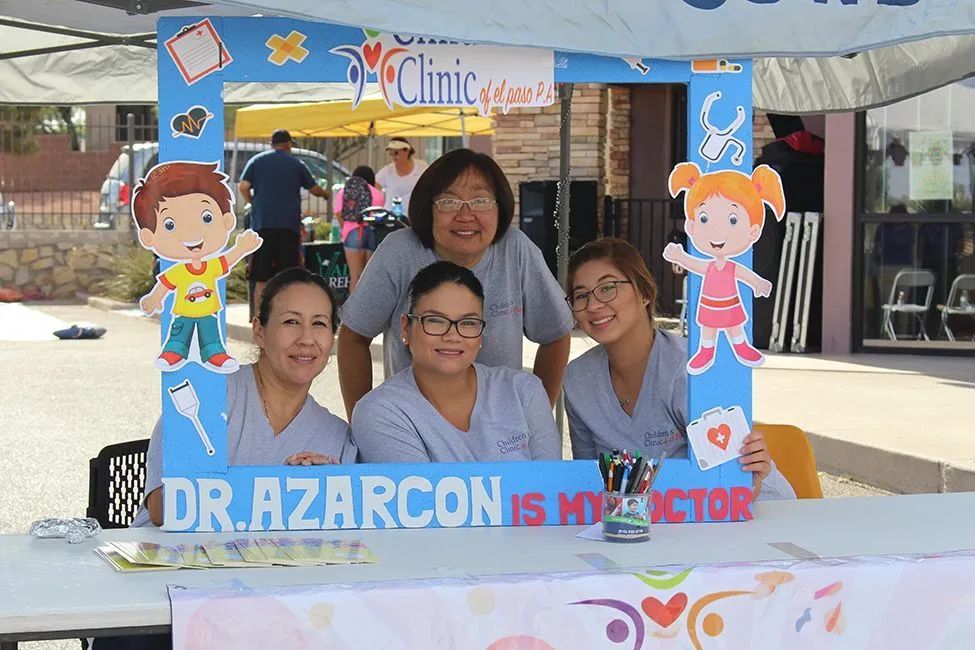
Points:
point(793, 455)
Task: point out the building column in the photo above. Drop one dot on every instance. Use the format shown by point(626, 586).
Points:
point(838, 224)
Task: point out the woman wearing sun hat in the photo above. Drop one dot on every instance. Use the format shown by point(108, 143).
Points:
point(398, 177)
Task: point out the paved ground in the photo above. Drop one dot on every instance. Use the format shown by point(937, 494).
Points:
point(65, 400)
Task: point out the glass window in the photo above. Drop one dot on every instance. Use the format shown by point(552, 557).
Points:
point(920, 153)
point(917, 285)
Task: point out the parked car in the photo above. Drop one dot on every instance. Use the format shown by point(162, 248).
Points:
point(116, 193)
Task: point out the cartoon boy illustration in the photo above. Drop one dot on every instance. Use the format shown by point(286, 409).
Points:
point(184, 212)
point(725, 214)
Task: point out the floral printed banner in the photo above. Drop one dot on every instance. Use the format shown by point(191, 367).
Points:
point(870, 602)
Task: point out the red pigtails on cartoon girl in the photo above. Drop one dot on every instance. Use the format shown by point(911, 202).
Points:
point(725, 213)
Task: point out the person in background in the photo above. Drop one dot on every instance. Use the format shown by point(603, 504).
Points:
point(272, 183)
point(398, 178)
point(461, 212)
point(631, 390)
point(444, 407)
point(359, 240)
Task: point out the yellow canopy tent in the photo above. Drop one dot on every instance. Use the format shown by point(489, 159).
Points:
point(337, 119)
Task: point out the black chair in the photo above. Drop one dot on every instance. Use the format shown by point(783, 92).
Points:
point(116, 482)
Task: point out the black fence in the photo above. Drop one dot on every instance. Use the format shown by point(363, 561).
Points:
point(55, 163)
point(650, 224)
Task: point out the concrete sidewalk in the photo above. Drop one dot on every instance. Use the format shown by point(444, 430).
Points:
point(901, 423)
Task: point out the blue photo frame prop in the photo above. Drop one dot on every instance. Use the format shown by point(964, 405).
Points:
point(204, 493)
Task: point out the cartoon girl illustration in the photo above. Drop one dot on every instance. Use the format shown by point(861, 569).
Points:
point(725, 213)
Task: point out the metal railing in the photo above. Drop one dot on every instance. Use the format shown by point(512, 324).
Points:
point(650, 224)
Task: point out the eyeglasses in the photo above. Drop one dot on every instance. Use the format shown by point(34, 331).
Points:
point(605, 292)
point(480, 204)
point(469, 328)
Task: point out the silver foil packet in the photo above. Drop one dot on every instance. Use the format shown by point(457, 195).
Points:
point(75, 530)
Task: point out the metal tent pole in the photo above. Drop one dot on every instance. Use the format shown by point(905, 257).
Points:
point(562, 208)
point(465, 139)
point(372, 145)
point(329, 176)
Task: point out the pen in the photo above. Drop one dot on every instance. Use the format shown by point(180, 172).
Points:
point(635, 475)
point(644, 482)
point(609, 482)
point(656, 470)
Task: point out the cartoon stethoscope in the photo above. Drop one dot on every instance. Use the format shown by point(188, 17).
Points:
point(717, 141)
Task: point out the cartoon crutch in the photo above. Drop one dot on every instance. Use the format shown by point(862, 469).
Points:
point(188, 405)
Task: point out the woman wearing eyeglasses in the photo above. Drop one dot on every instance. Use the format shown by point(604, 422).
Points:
point(445, 407)
point(631, 390)
point(461, 210)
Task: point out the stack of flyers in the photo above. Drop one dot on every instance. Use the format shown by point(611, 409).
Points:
point(236, 553)
point(145, 556)
point(225, 554)
point(312, 550)
point(118, 561)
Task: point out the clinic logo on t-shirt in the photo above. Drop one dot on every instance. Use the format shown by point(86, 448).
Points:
point(503, 308)
point(660, 438)
point(513, 443)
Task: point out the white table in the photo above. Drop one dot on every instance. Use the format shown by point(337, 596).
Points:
point(52, 589)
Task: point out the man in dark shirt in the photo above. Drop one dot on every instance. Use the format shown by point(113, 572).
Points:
point(272, 183)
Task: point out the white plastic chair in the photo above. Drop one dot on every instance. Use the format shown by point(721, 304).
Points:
point(957, 303)
point(909, 282)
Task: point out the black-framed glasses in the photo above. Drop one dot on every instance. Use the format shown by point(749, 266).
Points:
point(469, 328)
point(605, 292)
point(480, 204)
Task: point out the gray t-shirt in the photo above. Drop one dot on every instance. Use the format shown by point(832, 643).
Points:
point(512, 420)
point(597, 422)
point(250, 439)
point(521, 298)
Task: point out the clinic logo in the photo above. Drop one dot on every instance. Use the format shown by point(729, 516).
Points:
point(503, 308)
point(513, 443)
point(409, 71)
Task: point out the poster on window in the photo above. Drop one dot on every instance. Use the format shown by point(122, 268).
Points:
point(930, 161)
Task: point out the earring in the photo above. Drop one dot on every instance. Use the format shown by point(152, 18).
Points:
point(404, 340)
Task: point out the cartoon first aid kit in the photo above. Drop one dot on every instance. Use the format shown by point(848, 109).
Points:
point(717, 436)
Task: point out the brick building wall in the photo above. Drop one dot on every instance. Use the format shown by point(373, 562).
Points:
point(526, 141)
point(618, 142)
point(55, 167)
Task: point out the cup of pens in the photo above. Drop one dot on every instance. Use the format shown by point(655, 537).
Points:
point(626, 505)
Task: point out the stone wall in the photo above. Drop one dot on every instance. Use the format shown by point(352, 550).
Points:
point(59, 264)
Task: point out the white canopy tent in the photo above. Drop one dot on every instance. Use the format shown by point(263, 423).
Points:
point(114, 72)
point(69, 52)
point(661, 29)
